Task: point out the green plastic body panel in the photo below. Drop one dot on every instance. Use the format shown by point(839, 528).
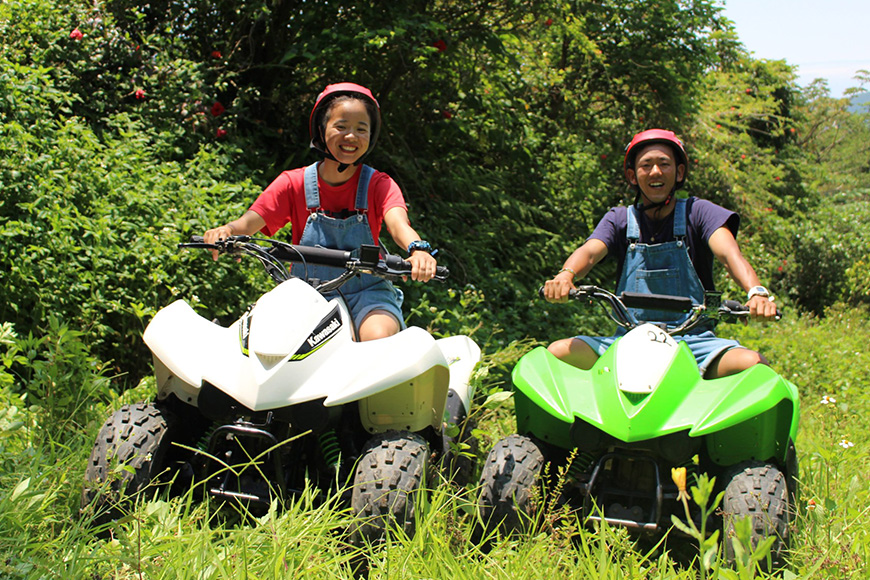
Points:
point(749, 415)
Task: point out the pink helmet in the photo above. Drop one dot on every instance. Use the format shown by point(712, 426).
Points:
point(321, 105)
point(651, 136)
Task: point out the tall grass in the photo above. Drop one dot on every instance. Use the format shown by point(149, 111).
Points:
point(43, 535)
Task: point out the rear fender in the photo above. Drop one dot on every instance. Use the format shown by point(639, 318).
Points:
point(462, 355)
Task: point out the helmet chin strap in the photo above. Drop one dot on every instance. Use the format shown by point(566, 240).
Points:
point(652, 205)
point(325, 152)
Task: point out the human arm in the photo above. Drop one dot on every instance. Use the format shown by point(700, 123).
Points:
point(578, 264)
point(247, 225)
point(399, 226)
point(725, 248)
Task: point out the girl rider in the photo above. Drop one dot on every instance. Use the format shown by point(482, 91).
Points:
point(341, 204)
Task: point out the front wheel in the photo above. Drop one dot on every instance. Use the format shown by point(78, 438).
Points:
point(389, 474)
point(129, 456)
point(510, 474)
point(758, 491)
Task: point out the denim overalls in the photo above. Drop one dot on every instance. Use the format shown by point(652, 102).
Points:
point(363, 293)
point(664, 268)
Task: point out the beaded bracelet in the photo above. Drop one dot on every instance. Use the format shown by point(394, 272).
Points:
point(573, 273)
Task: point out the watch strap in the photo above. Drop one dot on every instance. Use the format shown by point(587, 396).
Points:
point(757, 291)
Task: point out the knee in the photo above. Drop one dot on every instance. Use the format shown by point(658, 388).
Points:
point(377, 325)
point(747, 358)
point(560, 348)
point(575, 352)
point(733, 361)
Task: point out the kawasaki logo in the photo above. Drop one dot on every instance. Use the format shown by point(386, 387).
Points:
point(331, 327)
point(324, 331)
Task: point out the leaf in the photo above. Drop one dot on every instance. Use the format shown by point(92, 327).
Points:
point(496, 399)
point(678, 523)
point(709, 557)
point(763, 549)
point(20, 488)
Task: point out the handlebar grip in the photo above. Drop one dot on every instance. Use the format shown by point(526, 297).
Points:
point(196, 240)
point(734, 306)
point(580, 291)
point(403, 267)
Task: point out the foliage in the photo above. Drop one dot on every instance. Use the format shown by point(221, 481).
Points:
point(827, 359)
point(127, 127)
point(130, 127)
point(827, 258)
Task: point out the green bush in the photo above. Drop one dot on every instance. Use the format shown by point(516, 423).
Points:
point(828, 254)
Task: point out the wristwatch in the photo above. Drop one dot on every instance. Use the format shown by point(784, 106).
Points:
point(757, 291)
point(419, 245)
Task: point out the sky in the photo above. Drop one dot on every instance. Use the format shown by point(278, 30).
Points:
point(825, 38)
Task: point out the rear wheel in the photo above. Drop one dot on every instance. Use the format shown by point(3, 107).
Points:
point(758, 491)
point(129, 457)
point(509, 476)
point(389, 474)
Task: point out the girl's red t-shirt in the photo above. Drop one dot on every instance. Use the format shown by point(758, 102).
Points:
point(283, 201)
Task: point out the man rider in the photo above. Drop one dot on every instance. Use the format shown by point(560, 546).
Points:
point(664, 245)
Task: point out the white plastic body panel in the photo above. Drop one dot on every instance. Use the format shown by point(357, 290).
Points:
point(295, 346)
point(643, 357)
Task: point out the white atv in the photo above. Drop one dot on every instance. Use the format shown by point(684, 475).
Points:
point(286, 397)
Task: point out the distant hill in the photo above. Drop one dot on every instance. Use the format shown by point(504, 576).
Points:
point(860, 103)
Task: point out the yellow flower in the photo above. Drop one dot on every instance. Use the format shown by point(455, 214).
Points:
point(678, 474)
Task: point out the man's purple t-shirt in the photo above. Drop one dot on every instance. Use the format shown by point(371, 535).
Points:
point(704, 218)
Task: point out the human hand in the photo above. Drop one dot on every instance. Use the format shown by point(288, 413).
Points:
point(556, 290)
point(761, 308)
point(215, 234)
point(422, 266)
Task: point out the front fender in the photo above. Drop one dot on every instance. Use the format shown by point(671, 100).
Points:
point(753, 411)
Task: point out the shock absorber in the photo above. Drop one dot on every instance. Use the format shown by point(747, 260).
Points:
point(331, 449)
point(203, 443)
point(580, 464)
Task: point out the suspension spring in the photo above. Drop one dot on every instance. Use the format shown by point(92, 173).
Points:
point(330, 448)
point(580, 465)
point(203, 442)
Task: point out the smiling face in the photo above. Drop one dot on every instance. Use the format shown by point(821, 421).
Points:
point(347, 130)
point(656, 172)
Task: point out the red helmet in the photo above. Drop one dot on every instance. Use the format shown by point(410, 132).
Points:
point(651, 136)
point(315, 121)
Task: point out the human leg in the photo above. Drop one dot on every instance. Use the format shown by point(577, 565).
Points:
point(732, 361)
point(574, 351)
point(376, 311)
point(377, 324)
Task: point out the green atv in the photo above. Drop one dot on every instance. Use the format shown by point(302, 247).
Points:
point(613, 433)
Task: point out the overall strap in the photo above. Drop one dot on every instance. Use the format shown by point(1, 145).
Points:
point(312, 192)
point(680, 219)
point(362, 188)
point(632, 232)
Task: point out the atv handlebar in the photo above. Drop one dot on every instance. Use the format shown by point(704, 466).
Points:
point(365, 261)
point(728, 310)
